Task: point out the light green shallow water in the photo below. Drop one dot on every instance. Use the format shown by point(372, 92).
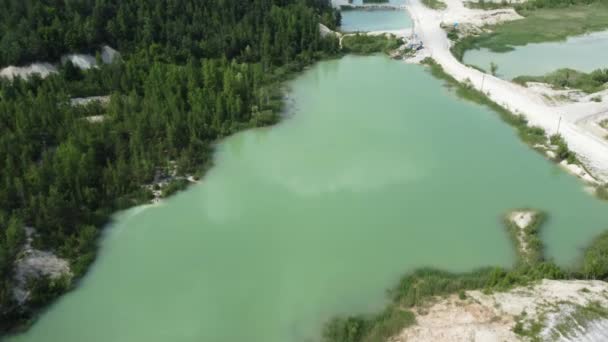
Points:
point(374, 20)
point(378, 171)
point(585, 53)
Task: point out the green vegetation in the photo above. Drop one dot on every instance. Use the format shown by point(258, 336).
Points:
point(488, 5)
point(191, 73)
point(175, 186)
point(567, 78)
point(545, 20)
point(580, 317)
point(563, 152)
point(527, 328)
point(595, 259)
point(493, 68)
point(367, 44)
point(601, 192)
point(434, 4)
point(174, 30)
point(462, 295)
point(453, 34)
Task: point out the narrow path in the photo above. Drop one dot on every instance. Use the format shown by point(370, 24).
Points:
point(592, 151)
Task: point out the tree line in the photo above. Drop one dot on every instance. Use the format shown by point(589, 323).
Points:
point(191, 73)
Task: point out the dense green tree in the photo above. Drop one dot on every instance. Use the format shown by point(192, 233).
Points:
point(191, 72)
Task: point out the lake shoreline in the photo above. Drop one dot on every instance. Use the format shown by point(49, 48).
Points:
point(279, 120)
point(592, 152)
point(167, 183)
point(391, 322)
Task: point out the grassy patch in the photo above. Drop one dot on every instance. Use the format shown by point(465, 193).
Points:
point(602, 191)
point(488, 5)
point(434, 4)
point(539, 25)
point(175, 186)
point(595, 259)
point(568, 78)
point(528, 328)
point(366, 44)
point(563, 152)
point(581, 317)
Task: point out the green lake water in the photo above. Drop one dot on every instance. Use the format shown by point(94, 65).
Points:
point(585, 53)
point(375, 20)
point(378, 170)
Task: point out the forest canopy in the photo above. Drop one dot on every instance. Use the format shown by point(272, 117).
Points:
point(191, 73)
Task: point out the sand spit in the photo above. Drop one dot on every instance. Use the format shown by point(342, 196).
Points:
point(522, 219)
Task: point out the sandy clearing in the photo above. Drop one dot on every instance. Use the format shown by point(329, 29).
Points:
point(44, 69)
point(556, 97)
point(324, 30)
point(32, 263)
point(81, 61)
point(81, 101)
point(590, 149)
point(522, 218)
point(592, 124)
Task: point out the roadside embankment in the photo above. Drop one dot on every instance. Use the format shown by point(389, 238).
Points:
point(591, 151)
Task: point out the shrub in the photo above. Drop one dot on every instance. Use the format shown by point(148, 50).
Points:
point(365, 44)
point(595, 260)
point(563, 152)
point(174, 186)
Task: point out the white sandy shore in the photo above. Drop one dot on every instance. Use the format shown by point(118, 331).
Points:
point(492, 317)
point(591, 149)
